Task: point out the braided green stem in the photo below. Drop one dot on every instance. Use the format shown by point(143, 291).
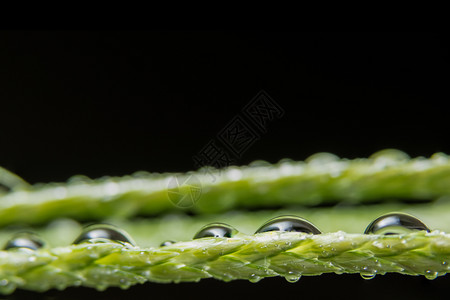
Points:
point(252, 257)
point(322, 179)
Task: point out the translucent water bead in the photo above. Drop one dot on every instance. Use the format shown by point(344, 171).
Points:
point(395, 223)
point(103, 233)
point(216, 230)
point(289, 223)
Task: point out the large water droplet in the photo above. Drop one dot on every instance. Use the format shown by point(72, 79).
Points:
point(103, 233)
point(395, 223)
point(288, 223)
point(216, 230)
point(24, 240)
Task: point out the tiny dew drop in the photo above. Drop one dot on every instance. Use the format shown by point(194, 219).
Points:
point(7, 287)
point(167, 243)
point(292, 278)
point(101, 287)
point(217, 230)
point(367, 276)
point(254, 278)
point(24, 240)
point(124, 284)
point(395, 223)
point(3, 282)
point(430, 275)
point(103, 233)
point(288, 223)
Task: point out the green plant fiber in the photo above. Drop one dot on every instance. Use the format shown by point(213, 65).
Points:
point(339, 196)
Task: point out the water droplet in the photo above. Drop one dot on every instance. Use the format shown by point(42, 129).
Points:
point(288, 223)
point(101, 287)
point(102, 233)
point(395, 223)
point(24, 240)
point(292, 278)
point(3, 282)
point(254, 278)
point(391, 155)
point(167, 243)
point(77, 282)
point(321, 158)
point(216, 230)
point(367, 276)
point(430, 275)
point(7, 288)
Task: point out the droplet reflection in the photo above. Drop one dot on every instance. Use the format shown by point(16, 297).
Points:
point(102, 233)
point(395, 223)
point(216, 230)
point(290, 224)
point(24, 240)
point(167, 243)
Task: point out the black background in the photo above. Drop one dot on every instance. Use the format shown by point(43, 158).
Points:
point(115, 102)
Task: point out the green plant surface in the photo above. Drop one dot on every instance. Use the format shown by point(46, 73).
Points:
point(249, 257)
point(322, 179)
point(339, 196)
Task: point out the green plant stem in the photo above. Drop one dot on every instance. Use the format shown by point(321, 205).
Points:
point(250, 257)
point(322, 179)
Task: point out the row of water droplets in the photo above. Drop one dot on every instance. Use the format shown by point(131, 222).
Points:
point(388, 224)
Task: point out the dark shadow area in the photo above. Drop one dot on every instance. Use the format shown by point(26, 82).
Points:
point(327, 286)
point(112, 103)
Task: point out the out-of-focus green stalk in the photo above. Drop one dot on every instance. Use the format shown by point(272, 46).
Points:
point(322, 179)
